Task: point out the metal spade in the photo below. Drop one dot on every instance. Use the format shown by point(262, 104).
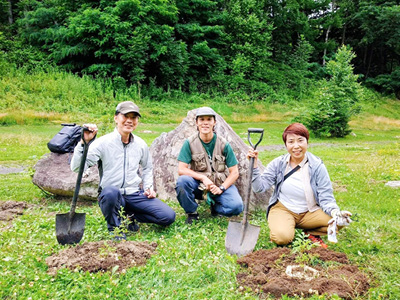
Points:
point(70, 226)
point(241, 237)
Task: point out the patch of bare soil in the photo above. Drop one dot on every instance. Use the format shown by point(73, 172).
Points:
point(338, 186)
point(276, 272)
point(102, 256)
point(9, 210)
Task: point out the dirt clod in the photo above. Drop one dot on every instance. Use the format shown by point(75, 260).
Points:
point(102, 256)
point(10, 209)
point(266, 272)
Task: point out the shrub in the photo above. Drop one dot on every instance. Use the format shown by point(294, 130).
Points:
point(335, 98)
point(386, 83)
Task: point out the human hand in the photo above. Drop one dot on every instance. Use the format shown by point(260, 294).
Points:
point(340, 213)
point(215, 190)
point(89, 134)
point(150, 193)
point(332, 231)
point(342, 217)
point(254, 154)
point(207, 182)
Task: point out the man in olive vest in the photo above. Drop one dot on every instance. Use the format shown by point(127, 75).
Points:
point(207, 165)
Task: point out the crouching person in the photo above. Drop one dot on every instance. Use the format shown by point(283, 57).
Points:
point(303, 195)
point(120, 154)
point(208, 167)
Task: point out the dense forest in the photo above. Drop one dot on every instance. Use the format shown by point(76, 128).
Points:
point(256, 46)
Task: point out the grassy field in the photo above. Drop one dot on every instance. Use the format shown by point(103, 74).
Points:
point(191, 261)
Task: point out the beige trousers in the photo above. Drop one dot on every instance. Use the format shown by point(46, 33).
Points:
point(282, 223)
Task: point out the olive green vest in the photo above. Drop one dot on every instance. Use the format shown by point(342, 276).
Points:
point(216, 169)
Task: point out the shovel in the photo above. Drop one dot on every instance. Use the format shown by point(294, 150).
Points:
point(241, 237)
point(70, 226)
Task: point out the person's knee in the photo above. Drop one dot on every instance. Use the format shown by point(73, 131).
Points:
point(237, 208)
point(181, 186)
point(168, 218)
point(183, 180)
point(281, 238)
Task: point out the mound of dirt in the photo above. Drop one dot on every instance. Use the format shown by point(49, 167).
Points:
point(102, 256)
point(319, 271)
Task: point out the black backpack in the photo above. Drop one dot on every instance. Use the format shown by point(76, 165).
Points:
point(66, 139)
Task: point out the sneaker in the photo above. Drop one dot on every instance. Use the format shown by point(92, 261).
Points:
point(133, 227)
point(191, 217)
point(316, 239)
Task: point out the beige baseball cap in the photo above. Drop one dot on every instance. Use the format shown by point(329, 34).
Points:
point(205, 111)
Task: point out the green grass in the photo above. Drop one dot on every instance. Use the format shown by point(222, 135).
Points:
point(190, 262)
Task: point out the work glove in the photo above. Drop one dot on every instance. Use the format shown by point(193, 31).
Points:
point(210, 200)
point(339, 218)
point(342, 217)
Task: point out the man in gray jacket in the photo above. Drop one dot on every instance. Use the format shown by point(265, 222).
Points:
point(119, 155)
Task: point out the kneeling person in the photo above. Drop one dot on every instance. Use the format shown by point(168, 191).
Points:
point(120, 154)
point(208, 165)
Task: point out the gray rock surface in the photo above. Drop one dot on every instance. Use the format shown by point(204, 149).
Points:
point(53, 174)
point(11, 169)
point(166, 147)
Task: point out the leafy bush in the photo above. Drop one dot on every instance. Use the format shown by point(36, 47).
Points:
point(21, 55)
point(387, 83)
point(335, 99)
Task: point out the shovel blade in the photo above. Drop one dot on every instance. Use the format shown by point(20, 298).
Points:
point(233, 240)
point(69, 230)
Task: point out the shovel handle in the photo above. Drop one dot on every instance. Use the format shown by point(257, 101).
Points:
point(251, 166)
point(255, 130)
point(80, 173)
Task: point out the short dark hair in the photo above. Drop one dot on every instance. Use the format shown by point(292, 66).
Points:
point(296, 128)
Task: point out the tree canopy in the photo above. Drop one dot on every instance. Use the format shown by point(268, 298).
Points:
point(254, 46)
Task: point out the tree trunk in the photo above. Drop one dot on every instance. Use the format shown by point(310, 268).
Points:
point(326, 42)
point(10, 14)
point(369, 62)
point(327, 35)
point(344, 33)
point(364, 63)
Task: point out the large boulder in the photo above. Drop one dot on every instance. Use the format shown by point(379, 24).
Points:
point(166, 147)
point(53, 175)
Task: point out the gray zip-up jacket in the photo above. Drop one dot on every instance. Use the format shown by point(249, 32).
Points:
point(319, 180)
point(119, 163)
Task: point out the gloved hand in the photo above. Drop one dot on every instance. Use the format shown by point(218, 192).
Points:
point(342, 218)
point(210, 201)
point(339, 218)
point(341, 213)
point(332, 231)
